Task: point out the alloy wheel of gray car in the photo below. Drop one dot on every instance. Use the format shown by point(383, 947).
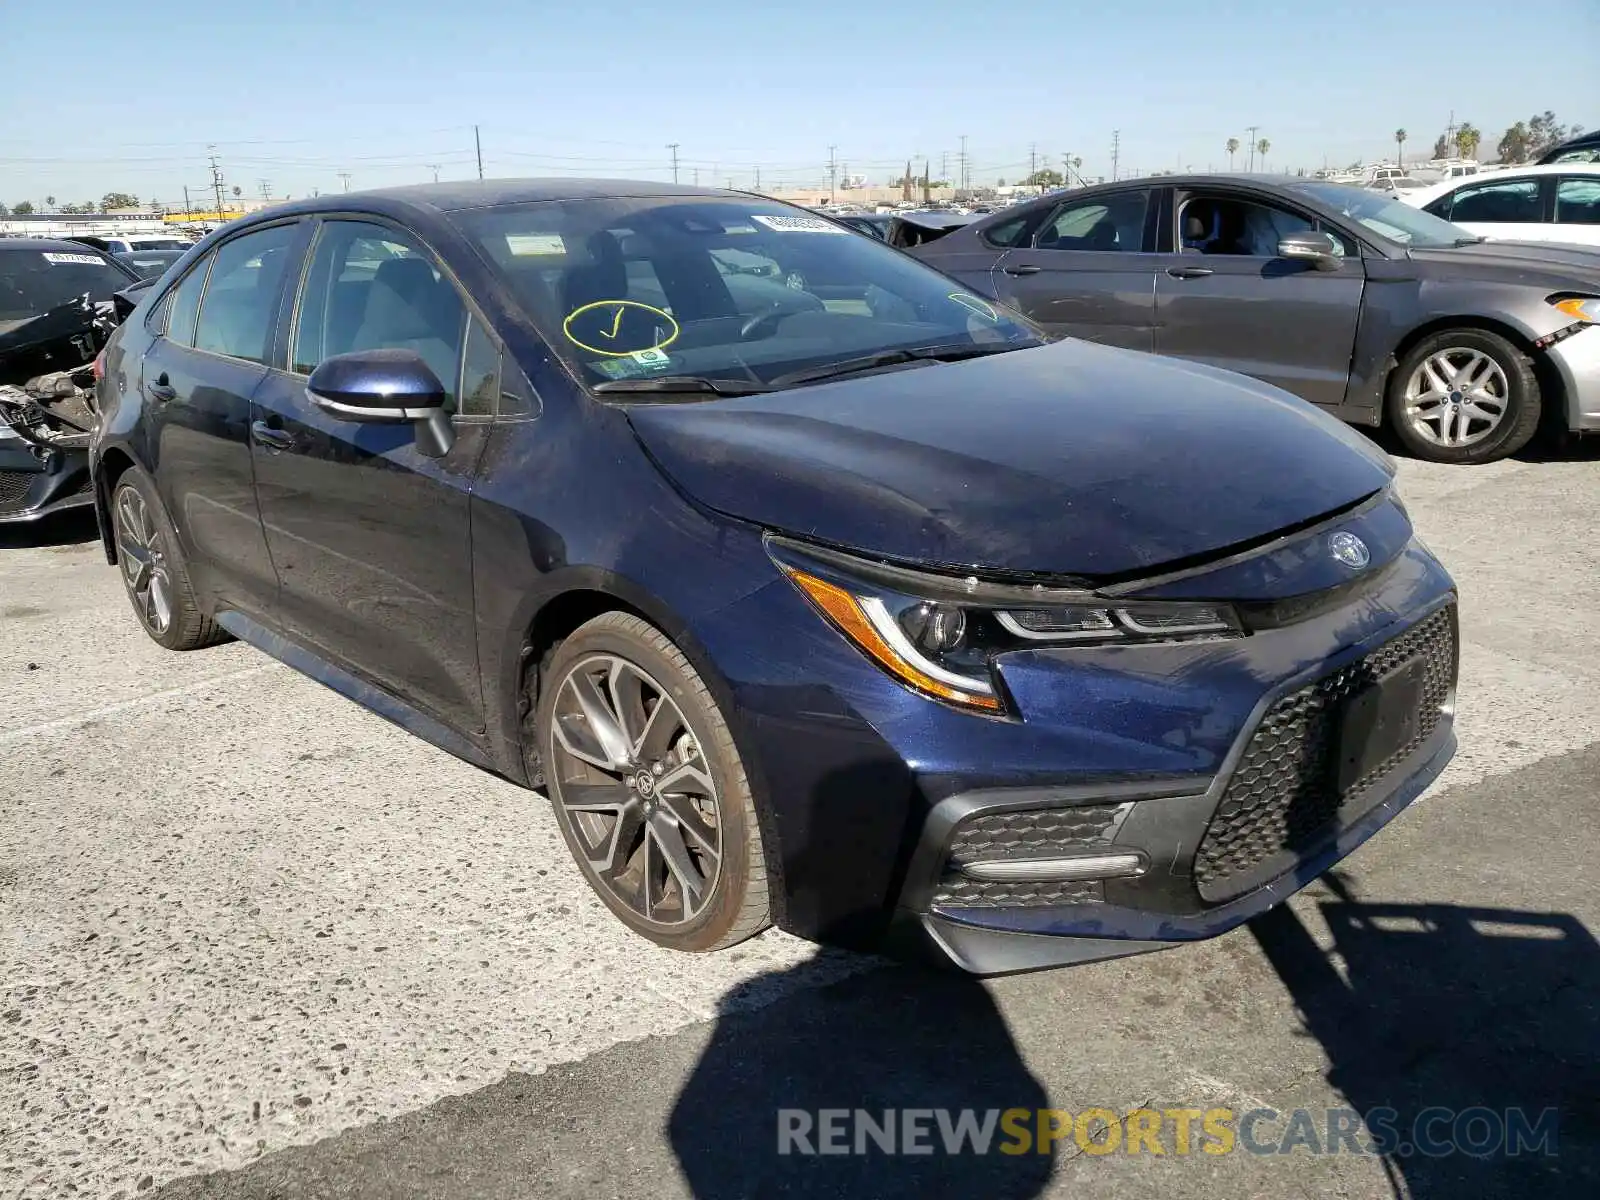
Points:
point(1457, 396)
point(648, 789)
point(153, 569)
point(1464, 395)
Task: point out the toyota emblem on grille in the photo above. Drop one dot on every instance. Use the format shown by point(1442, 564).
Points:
point(1349, 549)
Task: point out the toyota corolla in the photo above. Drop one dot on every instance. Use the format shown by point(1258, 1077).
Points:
point(867, 610)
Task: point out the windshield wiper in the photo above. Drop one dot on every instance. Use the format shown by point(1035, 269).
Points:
point(890, 358)
point(683, 383)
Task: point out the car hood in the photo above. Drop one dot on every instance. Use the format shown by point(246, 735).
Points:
point(1545, 258)
point(1067, 460)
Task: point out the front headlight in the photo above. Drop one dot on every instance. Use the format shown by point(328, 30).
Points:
point(940, 635)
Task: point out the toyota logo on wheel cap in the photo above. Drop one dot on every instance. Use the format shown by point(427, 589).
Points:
point(1349, 549)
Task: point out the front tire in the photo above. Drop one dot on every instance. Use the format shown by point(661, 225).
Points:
point(154, 572)
point(648, 787)
point(1464, 396)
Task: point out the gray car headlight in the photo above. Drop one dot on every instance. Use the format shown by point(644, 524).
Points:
point(940, 635)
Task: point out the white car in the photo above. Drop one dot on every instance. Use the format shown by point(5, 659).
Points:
point(133, 242)
point(1558, 203)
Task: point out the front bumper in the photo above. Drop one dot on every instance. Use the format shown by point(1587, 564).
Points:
point(1181, 860)
point(32, 488)
point(1576, 360)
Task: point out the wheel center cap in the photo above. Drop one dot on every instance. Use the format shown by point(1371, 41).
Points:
point(645, 784)
point(1455, 397)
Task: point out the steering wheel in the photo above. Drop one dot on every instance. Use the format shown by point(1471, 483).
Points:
point(769, 315)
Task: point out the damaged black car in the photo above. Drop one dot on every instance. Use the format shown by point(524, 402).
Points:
point(59, 302)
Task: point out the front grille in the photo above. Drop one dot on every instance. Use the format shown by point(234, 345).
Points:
point(1024, 834)
point(14, 486)
point(1284, 794)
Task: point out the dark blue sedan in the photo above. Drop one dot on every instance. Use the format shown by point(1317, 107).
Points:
point(866, 611)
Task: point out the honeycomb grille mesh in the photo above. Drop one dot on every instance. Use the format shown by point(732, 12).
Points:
point(1031, 833)
point(1284, 793)
point(14, 487)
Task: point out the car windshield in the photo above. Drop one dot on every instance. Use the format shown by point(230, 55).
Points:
point(156, 243)
point(723, 289)
point(34, 281)
point(1392, 219)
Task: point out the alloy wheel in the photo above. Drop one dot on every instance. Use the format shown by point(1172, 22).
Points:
point(142, 552)
point(633, 785)
point(1456, 397)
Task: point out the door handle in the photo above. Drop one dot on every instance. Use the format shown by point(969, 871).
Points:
point(1189, 272)
point(273, 439)
point(1022, 269)
point(162, 389)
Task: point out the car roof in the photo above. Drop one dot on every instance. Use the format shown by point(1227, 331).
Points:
point(1584, 141)
point(484, 193)
point(56, 244)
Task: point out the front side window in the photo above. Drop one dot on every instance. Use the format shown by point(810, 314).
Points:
point(734, 290)
point(1105, 223)
point(370, 287)
point(1224, 225)
point(1578, 201)
point(240, 304)
point(1510, 201)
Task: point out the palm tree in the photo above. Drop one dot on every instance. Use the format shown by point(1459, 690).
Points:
point(1233, 148)
point(1467, 139)
point(1261, 148)
point(1399, 145)
point(49, 201)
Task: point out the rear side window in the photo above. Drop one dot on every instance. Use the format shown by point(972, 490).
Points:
point(1578, 201)
point(480, 372)
point(1012, 233)
point(241, 297)
point(1113, 223)
point(184, 304)
point(1510, 201)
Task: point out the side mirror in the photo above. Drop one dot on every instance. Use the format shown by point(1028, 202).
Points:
point(385, 387)
point(1319, 249)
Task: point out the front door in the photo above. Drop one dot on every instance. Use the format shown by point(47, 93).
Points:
point(214, 336)
point(371, 538)
point(1228, 299)
point(1086, 273)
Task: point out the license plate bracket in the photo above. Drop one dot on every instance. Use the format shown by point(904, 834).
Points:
point(1377, 721)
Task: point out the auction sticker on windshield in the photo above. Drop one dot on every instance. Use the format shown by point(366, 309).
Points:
point(88, 260)
point(797, 224)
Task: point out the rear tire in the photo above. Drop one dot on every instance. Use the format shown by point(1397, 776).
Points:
point(1464, 396)
point(679, 861)
point(154, 572)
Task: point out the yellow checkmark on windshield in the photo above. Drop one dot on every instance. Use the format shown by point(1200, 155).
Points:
point(616, 325)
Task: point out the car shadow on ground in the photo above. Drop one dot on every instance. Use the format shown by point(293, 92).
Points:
point(75, 527)
point(1469, 1036)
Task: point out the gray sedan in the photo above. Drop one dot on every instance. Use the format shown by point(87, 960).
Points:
point(1370, 308)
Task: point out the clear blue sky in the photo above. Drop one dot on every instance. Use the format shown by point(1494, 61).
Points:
point(297, 92)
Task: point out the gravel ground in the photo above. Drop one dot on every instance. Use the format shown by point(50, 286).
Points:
point(239, 914)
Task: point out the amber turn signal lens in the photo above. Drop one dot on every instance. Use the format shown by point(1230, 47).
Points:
point(845, 611)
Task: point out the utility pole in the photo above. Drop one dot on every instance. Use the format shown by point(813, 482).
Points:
point(186, 209)
point(345, 176)
point(1254, 129)
point(833, 174)
point(1066, 167)
point(944, 164)
point(697, 177)
point(265, 186)
point(434, 167)
point(216, 179)
point(1116, 152)
point(758, 179)
point(673, 146)
point(1033, 160)
point(964, 175)
point(477, 143)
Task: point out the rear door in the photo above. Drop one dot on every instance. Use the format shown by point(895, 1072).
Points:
point(1227, 299)
point(1089, 270)
point(214, 332)
point(371, 538)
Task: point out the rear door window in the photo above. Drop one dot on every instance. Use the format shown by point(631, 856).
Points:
point(1578, 201)
point(240, 304)
point(1108, 223)
point(1508, 201)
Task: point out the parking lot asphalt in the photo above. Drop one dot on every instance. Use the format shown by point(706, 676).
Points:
point(239, 915)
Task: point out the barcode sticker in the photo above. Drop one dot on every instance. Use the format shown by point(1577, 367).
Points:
point(798, 224)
